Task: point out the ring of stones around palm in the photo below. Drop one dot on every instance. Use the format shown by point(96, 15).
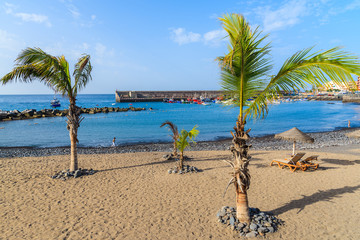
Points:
point(185, 169)
point(261, 223)
point(66, 174)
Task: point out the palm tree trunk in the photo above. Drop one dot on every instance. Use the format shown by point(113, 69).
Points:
point(241, 172)
point(242, 206)
point(73, 156)
point(175, 150)
point(181, 160)
point(73, 123)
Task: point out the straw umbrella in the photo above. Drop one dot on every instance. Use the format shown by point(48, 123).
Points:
point(354, 134)
point(295, 134)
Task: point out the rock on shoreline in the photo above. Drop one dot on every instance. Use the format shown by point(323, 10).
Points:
point(322, 139)
point(33, 113)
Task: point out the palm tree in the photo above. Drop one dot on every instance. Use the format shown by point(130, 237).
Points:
point(174, 136)
point(35, 64)
point(182, 143)
point(245, 73)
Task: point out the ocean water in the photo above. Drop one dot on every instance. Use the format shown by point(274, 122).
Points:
point(214, 121)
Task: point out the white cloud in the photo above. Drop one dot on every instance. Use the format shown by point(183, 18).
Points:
point(31, 17)
point(93, 17)
point(73, 10)
point(27, 17)
point(180, 36)
point(287, 15)
point(85, 46)
point(214, 37)
point(100, 49)
point(353, 5)
point(103, 55)
point(8, 41)
point(9, 8)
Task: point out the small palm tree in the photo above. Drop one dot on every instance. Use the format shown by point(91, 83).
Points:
point(182, 143)
point(174, 136)
point(246, 74)
point(35, 64)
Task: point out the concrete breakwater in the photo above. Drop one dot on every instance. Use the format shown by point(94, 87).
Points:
point(33, 113)
point(316, 98)
point(352, 98)
point(158, 96)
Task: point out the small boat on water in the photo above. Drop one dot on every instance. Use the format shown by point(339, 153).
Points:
point(55, 102)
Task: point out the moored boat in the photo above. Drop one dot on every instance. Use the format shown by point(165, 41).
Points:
point(55, 102)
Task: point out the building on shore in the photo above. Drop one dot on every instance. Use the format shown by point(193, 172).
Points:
point(332, 86)
point(159, 96)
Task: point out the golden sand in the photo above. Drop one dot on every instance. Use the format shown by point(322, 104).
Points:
point(133, 197)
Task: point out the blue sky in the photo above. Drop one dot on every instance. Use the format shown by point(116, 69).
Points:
point(163, 45)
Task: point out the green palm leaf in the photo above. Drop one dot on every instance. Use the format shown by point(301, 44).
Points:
point(82, 72)
point(246, 66)
point(245, 70)
point(303, 68)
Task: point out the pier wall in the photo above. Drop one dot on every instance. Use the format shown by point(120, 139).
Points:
point(317, 98)
point(158, 96)
point(352, 98)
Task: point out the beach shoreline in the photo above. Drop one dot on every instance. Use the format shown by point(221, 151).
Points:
point(268, 142)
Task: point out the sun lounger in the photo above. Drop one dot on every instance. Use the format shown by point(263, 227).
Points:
point(292, 163)
point(308, 164)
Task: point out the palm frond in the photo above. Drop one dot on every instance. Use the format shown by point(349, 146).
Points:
point(246, 66)
point(33, 63)
point(182, 141)
point(304, 68)
point(173, 128)
point(82, 73)
point(193, 134)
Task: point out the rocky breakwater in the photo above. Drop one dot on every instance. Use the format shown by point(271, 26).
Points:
point(33, 113)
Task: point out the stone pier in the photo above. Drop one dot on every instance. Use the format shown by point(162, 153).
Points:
point(351, 98)
point(158, 96)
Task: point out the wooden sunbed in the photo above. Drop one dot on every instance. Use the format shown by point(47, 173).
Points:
point(292, 163)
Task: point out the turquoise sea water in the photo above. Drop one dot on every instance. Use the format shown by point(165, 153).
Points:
point(214, 121)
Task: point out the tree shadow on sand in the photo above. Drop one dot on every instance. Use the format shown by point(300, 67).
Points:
point(189, 159)
point(340, 162)
point(326, 195)
point(140, 165)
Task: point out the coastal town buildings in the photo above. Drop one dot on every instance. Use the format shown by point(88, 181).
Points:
point(340, 87)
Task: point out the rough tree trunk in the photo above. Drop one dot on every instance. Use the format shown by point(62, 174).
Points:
point(174, 154)
point(241, 173)
point(73, 156)
point(181, 160)
point(73, 123)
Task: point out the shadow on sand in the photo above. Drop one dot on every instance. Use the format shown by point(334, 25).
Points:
point(326, 195)
point(340, 162)
point(140, 165)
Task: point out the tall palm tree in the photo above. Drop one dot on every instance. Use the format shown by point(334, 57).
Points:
point(35, 64)
point(245, 73)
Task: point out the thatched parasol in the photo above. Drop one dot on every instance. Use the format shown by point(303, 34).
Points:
point(295, 134)
point(354, 134)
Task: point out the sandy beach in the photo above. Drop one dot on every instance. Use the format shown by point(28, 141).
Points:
point(133, 197)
